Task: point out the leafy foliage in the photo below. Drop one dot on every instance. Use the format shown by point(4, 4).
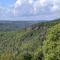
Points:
point(52, 44)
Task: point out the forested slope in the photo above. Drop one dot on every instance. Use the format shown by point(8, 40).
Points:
point(52, 44)
point(27, 44)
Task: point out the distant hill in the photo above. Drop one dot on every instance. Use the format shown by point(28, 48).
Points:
point(14, 25)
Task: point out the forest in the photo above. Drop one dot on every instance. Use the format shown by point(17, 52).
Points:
point(38, 41)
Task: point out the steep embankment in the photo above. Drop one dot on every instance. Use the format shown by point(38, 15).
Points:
point(51, 46)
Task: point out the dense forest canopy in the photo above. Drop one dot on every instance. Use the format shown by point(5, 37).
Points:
point(52, 44)
point(39, 41)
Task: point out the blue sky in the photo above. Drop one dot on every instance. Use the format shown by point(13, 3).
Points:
point(7, 3)
point(29, 9)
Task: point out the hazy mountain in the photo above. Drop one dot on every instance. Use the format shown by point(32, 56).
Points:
point(15, 25)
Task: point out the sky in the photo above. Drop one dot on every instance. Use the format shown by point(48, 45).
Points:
point(29, 9)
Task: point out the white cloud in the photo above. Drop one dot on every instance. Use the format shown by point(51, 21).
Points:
point(31, 8)
point(18, 3)
point(22, 7)
point(55, 8)
point(56, 5)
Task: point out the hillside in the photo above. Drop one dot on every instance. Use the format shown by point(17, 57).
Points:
point(25, 44)
point(51, 46)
